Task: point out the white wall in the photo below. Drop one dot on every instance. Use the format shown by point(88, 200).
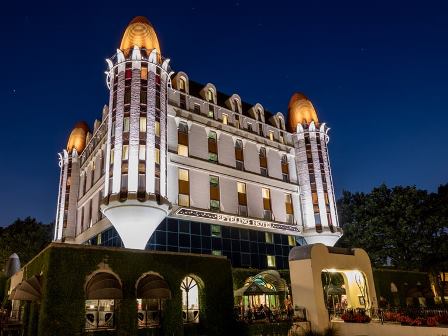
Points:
point(229, 195)
point(254, 200)
point(198, 142)
point(274, 163)
point(226, 150)
point(199, 190)
point(251, 157)
point(278, 205)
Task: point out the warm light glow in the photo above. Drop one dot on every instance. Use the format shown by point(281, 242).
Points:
point(77, 139)
point(300, 110)
point(139, 33)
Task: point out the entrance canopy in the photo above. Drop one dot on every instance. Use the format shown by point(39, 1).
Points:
point(267, 282)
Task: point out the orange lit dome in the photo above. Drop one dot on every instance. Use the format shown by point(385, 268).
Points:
point(78, 137)
point(139, 33)
point(300, 110)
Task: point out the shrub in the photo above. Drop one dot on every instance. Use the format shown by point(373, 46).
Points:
point(432, 321)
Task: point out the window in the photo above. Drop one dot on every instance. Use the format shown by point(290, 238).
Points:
point(249, 127)
point(269, 237)
point(214, 193)
point(144, 72)
point(126, 124)
point(237, 121)
point(141, 152)
point(184, 188)
point(190, 300)
point(289, 209)
point(267, 214)
point(291, 241)
point(182, 139)
point(225, 118)
point(235, 105)
point(271, 135)
point(271, 260)
point(112, 131)
point(217, 252)
point(242, 199)
point(285, 168)
point(142, 124)
point(263, 162)
point(112, 156)
point(212, 147)
point(197, 108)
point(211, 111)
point(100, 312)
point(125, 153)
point(216, 230)
point(210, 95)
point(157, 155)
point(157, 128)
point(239, 155)
point(182, 85)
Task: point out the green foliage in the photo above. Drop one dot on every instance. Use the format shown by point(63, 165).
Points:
point(25, 237)
point(403, 225)
point(65, 268)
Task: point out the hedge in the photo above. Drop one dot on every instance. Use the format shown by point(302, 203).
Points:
point(65, 268)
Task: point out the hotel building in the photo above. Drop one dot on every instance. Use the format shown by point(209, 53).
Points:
point(175, 165)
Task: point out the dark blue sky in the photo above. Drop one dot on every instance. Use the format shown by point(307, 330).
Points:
point(376, 71)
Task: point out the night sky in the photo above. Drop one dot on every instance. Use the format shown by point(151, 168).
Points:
point(377, 73)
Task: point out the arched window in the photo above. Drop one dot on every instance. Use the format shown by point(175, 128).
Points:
point(190, 300)
point(152, 292)
point(182, 84)
point(210, 95)
point(102, 293)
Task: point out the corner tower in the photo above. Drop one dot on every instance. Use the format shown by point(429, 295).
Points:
point(310, 139)
point(136, 160)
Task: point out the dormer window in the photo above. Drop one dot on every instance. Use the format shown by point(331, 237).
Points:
point(182, 84)
point(236, 105)
point(210, 95)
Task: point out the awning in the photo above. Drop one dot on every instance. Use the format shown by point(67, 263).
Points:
point(28, 290)
point(104, 286)
point(253, 289)
point(152, 286)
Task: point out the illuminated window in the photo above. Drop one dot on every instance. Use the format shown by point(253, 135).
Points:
point(142, 124)
point(217, 252)
point(216, 230)
point(157, 128)
point(182, 85)
point(271, 260)
point(157, 155)
point(271, 135)
point(289, 209)
point(285, 168)
point(267, 213)
point(225, 118)
point(190, 300)
point(210, 95)
point(242, 199)
point(126, 124)
point(112, 156)
point(269, 237)
point(141, 152)
point(182, 139)
point(144, 72)
point(291, 241)
point(125, 152)
point(184, 188)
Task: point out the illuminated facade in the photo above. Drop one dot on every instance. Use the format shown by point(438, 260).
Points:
point(174, 165)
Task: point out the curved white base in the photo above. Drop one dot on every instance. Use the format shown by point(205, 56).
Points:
point(135, 221)
point(328, 239)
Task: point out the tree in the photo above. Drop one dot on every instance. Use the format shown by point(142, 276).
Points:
point(395, 226)
point(25, 237)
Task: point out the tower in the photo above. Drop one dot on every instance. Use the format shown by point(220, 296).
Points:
point(135, 190)
point(310, 139)
point(65, 227)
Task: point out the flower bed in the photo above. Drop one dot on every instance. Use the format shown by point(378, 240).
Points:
point(353, 316)
point(413, 320)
